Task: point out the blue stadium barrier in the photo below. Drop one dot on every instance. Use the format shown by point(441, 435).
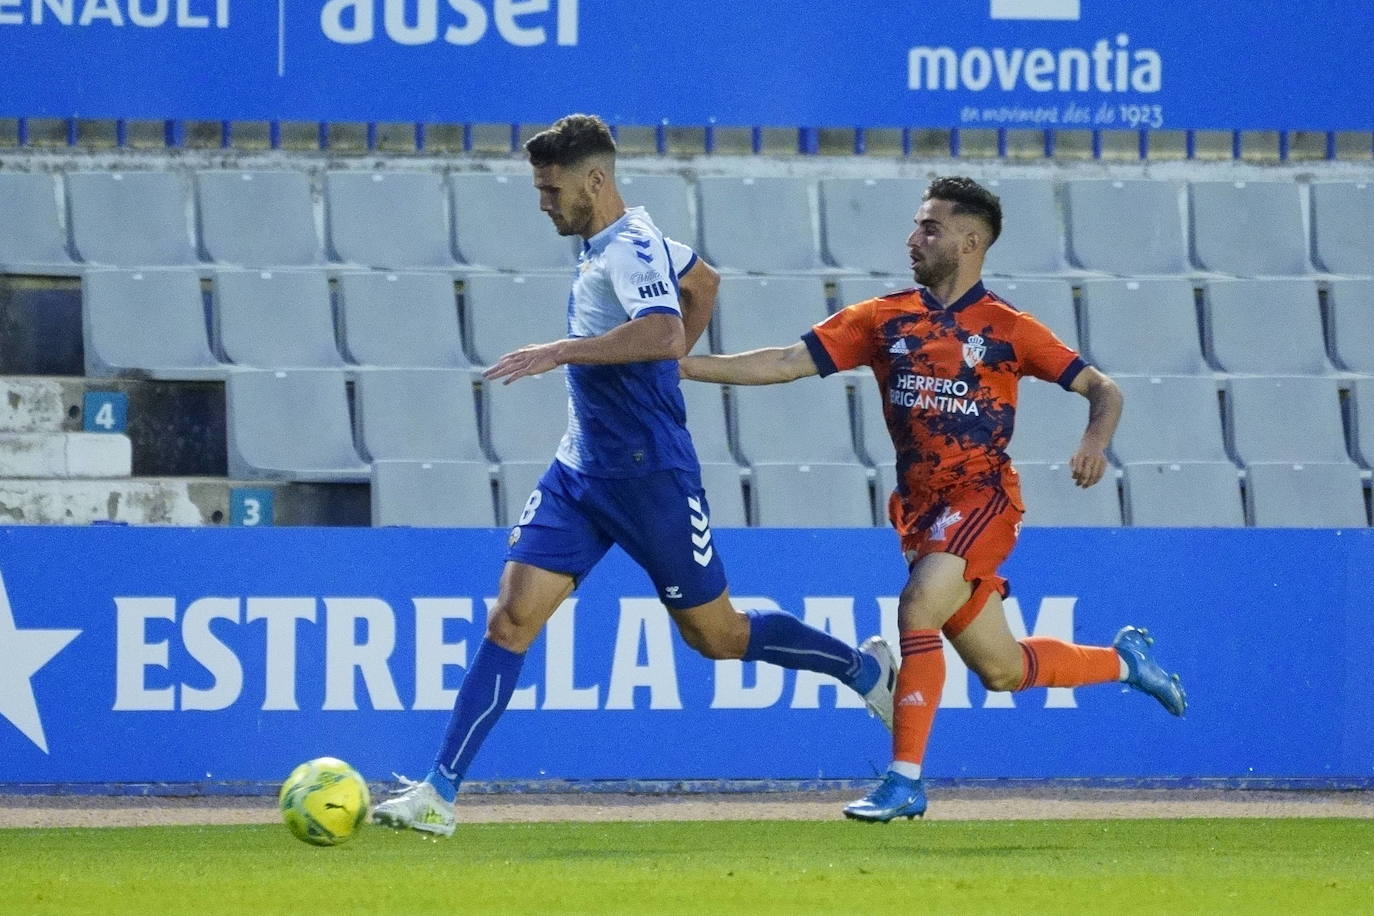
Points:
point(220, 657)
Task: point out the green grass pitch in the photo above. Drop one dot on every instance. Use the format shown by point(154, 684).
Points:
point(1156, 866)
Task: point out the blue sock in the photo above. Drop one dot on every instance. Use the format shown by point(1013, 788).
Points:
point(781, 639)
point(486, 691)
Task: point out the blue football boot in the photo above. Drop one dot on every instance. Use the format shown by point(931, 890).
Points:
point(1145, 674)
point(896, 796)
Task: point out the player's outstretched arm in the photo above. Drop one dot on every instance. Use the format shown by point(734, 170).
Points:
point(652, 337)
point(697, 296)
point(1089, 463)
point(754, 367)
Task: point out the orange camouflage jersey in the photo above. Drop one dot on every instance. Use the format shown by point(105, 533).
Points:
point(947, 376)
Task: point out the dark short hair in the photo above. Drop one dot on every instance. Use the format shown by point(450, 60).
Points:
point(569, 141)
point(969, 198)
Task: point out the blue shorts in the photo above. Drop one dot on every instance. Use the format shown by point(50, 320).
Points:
point(661, 520)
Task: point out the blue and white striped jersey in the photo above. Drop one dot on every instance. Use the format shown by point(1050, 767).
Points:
point(627, 419)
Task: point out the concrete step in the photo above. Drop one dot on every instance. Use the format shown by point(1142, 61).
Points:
point(34, 404)
point(65, 455)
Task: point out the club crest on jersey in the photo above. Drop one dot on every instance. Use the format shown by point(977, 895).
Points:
point(974, 351)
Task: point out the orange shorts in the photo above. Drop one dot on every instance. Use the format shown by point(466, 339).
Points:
point(979, 525)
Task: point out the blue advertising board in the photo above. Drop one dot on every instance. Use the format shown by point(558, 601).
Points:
point(935, 63)
point(228, 655)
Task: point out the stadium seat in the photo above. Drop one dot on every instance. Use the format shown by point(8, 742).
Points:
point(1343, 226)
point(1169, 419)
point(1183, 494)
point(884, 485)
point(1049, 423)
point(865, 222)
point(32, 238)
point(389, 220)
point(401, 319)
point(667, 198)
point(1289, 419)
point(1032, 239)
point(707, 421)
point(258, 219)
point(874, 439)
point(525, 421)
point(1049, 301)
point(1053, 500)
point(724, 494)
point(811, 496)
point(849, 290)
point(1307, 495)
point(734, 212)
point(418, 415)
point(803, 421)
point(148, 323)
point(1271, 327)
point(432, 494)
point(291, 425)
point(131, 219)
point(753, 312)
point(1129, 228)
point(1350, 310)
point(508, 311)
point(1267, 241)
point(1142, 327)
point(497, 224)
point(275, 319)
point(1362, 419)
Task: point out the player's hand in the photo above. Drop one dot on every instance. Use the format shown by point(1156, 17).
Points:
point(534, 359)
point(1087, 466)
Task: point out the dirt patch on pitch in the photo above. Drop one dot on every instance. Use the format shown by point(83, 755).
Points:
point(945, 804)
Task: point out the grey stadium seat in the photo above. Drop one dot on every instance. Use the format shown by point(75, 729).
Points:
point(497, 224)
point(401, 319)
point(32, 238)
point(1048, 301)
point(865, 222)
point(1142, 326)
point(275, 319)
point(525, 421)
point(1343, 226)
point(874, 439)
point(811, 496)
point(1049, 422)
point(432, 494)
point(1053, 500)
point(1032, 239)
point(1269, 327)
point(390, 220)
point(1169, 419)
point(802, 421)
point(291, 425)
point(753, 312)
point(724, 494)
point(707, 421)
point(1350, 307)
point(850, 290)
point(418, 415)
point(1174, 494)
point(131, 219)
point(734, 212)
point(1308, 495)
point(1363, 391)
point(1268, 241)
point(667, 198)
point(1131, 228)
point(1291, 419)
point(508, 311)
point(258, 219)
point(146, 323)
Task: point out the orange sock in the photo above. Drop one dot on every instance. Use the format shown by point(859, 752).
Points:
point(1055, 663)
point(920, 681)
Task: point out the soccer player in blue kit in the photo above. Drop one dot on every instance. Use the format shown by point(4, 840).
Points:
point(625, 473)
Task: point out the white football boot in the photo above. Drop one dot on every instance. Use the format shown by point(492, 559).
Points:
point(879, 699)
point(417, 806)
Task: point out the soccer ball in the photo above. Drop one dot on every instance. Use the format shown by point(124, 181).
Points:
point(324, 801)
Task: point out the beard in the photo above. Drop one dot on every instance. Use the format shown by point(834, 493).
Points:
point(932, 271)
point(576, 216)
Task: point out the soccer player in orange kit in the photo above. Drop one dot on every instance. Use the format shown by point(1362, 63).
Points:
point(947, 357)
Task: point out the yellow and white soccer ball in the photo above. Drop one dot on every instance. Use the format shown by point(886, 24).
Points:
point(324, 801)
